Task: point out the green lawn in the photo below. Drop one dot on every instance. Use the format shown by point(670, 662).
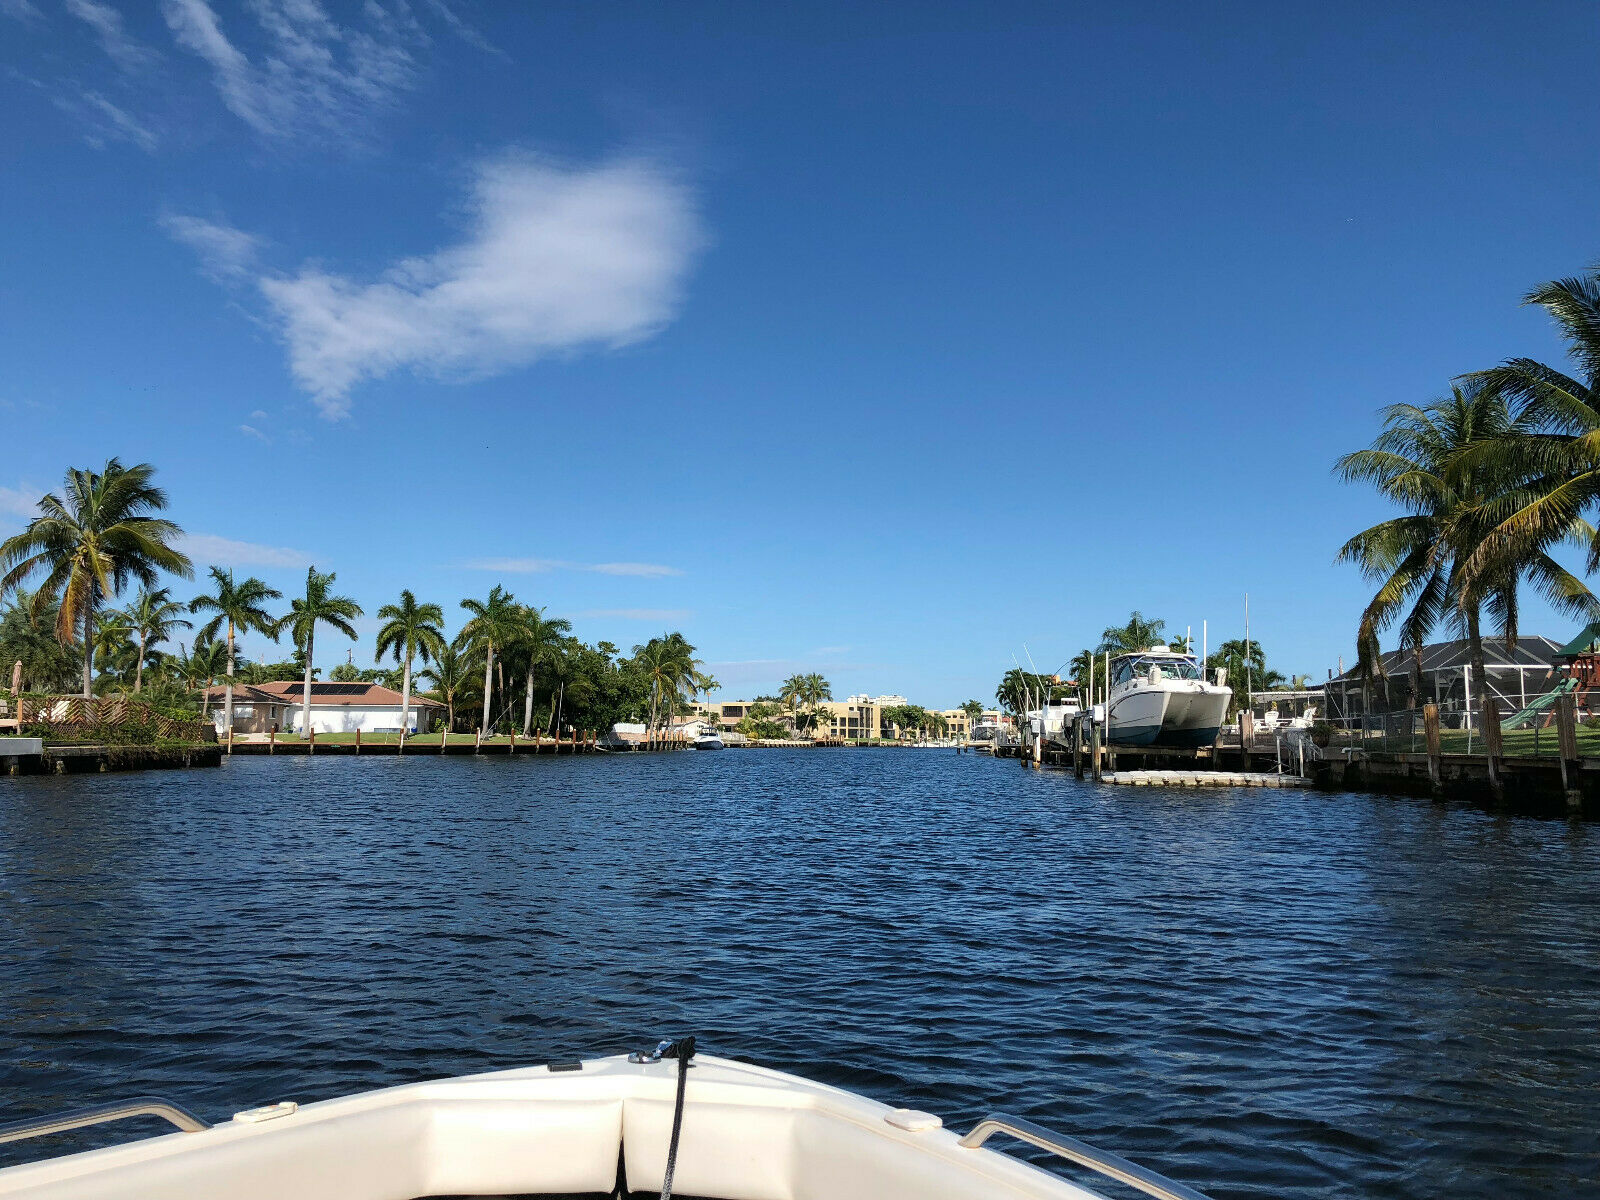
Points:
point(1526, 743)
point(418, 740)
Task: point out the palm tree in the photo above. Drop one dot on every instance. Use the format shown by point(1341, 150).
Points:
point(540, 639)
point(494, 624)
point(410, 630)
point(1554, 447)
point(1140, 633)
point(241, 607)
point(1246, 662)
point(28, 636)
point(793, 693)
point(668, 665)
point(90, 545)
point(1429, 461)
point(449, 674)
point(153, 616)
point(114, 649)
point(199, 669)
point(815, 690)
point(1021, 690)
point(317, 605)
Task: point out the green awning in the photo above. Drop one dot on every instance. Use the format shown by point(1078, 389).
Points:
point(1584, 643)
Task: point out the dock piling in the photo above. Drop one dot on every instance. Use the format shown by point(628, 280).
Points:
point(1489, 710)
point(1567, 731)
point(1430, 734)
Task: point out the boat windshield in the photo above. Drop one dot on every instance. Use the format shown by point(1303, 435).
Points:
point(1172, 666)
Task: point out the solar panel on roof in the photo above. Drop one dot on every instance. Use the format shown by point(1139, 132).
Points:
point(329, 689)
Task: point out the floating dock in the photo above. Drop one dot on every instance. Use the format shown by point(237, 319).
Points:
point(1206, 779)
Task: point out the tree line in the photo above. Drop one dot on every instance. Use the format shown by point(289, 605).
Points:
point(509, 666)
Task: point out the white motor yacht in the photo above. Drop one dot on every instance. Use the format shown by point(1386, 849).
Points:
point(710, 740)
point(662, 1123)
point(1159, 697)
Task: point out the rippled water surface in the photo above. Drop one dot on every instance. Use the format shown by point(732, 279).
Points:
point(1261, 993)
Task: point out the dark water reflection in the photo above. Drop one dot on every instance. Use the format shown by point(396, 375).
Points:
point(1261, 993)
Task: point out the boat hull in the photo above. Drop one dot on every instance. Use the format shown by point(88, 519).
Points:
point(1181, 714)
point(747, 1134)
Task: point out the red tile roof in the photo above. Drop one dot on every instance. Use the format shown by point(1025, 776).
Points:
point(328, 694)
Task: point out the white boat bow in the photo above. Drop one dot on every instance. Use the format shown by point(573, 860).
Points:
point(575, 1129)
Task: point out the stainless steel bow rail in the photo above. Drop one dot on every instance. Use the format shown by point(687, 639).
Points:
point(139, 1106)
point(1100, 1161)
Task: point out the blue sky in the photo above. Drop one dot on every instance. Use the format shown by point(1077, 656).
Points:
point(881, 341)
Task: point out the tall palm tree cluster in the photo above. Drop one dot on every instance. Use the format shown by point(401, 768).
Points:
point(804, 696)
point(1489, 480)
point(673, 678)
point(510, 666)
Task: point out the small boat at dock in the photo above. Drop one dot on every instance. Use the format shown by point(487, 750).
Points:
point(1160, 697)
point(663, 1122)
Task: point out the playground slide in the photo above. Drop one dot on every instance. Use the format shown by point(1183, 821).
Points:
point(1539, 705)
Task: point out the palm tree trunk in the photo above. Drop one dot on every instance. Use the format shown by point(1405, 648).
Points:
point(138, 670)
point(305, 699)
point(527, 705)
point(1480, 674)
point(405, 703)
point(488, 685)
point(227, 703)
point(88, 651)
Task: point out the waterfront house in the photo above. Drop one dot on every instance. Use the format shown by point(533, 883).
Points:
point(1515, 679)
point(254, 710)
point(335, 708)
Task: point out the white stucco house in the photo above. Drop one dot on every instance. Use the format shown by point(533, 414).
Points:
point(335, 708)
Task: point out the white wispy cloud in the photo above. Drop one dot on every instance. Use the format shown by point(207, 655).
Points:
point(20, 502)
point(225, 253)
point(20, 10)
point(207, 548)
point(124, 50)
point(556, 259)
point(765, 671)
point(310, 75)
point(104, 120)
point(637, 614)
point(467, 33)
point(252, 431)
point(534, 566)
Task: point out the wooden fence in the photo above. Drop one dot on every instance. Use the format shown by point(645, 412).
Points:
point(72, 715)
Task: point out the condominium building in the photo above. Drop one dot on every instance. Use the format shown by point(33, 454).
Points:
point(855, 718)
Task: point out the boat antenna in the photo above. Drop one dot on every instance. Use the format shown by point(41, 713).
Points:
point(1027, 689)
point(1044, 698)
point(1249, 700)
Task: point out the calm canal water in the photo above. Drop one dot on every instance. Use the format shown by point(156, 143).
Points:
point(1259, 993)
